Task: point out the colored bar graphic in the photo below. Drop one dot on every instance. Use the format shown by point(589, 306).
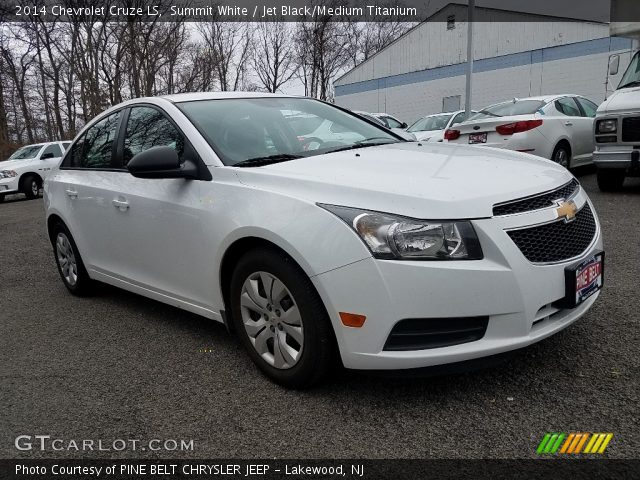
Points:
point(574, 443)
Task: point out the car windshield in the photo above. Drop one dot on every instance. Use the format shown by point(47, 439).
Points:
point(256, 131)
point(26, 153)
point(631, 77)
point(427, 124)
point(507, 109)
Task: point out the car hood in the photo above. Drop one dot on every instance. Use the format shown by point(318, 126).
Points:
point(432, 181)
point(13, 164)
point(625, 100)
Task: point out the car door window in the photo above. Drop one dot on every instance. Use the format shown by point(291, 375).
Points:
point(392, 122)
point(66, 145)
point(52, 151)
point(458, 118)
point(588, 107)
point(148, 127)
point(94, 148)
point(568, 106)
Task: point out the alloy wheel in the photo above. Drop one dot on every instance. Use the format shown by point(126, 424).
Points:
point(34, 188)
point(562, 157)
point(272, 320)
point(66, 259)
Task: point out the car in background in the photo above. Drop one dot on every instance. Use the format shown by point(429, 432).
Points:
point(390, 122)
point(617, 129)
point(382, 253)
point(431, 128)
point(25, 170)
point(557, 127)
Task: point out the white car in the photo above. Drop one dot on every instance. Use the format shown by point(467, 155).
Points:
point(432, 127)
point(390, 122)
point(381, 253)
point(557, 127)
point(26, 169)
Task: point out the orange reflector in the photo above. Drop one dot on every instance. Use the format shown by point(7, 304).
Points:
point(352, 319)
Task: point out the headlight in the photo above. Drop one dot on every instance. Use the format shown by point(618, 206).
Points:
point(606, 126)
point(395, 237)
point(8, 174)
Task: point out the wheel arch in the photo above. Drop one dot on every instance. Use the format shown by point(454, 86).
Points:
point(25, 174)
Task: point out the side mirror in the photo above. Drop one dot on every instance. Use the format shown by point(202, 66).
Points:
point(47, 155)
point(404, 125)
point(161, 162)
point(614, 64)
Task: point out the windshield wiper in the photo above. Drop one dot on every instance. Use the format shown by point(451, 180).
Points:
point(634, 83)
point(367, 142)
point(260, 161)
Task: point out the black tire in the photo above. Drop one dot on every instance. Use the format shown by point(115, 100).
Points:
point(30, 186)
point(610, 180)
point(562, 155)
point(83, 285)
point(1, 197)
point(319, 352)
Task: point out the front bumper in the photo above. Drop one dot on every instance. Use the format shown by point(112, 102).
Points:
point(619, 158)
point(515, 294)
point(9, 185)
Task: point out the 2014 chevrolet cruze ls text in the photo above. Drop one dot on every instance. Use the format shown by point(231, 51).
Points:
point(383, 253)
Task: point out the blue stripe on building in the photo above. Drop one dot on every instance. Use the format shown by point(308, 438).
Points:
point(560, 52)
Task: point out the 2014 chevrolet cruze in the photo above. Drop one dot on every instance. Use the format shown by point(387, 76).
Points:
point(384, 253)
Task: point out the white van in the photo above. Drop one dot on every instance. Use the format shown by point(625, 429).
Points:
point(617, 129)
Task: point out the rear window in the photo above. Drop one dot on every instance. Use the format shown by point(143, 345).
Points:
point(428, 124)
point(519, 107)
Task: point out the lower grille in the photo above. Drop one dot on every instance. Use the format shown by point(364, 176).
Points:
point(425, 333)
point(557, 241)
point(631, 129)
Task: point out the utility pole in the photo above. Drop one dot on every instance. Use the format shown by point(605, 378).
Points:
point(467, 97)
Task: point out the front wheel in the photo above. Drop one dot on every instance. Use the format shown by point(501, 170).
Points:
point(610, 180)
point(30, 186)
point(281, 319)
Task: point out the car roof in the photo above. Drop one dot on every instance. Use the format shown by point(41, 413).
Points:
point(541, 98)
point(190, 97)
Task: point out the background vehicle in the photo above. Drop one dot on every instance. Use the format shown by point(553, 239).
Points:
point(26, 169)
point(210, 202)
point(557, 127)
point(617, 129)
point(390, 122)
point(432, 127)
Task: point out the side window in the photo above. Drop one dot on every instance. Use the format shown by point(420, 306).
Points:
point(65, 145)
point(93, 149)
point(458, 118)
point(568, 106)
point(392, 122)
point(588, 107)
point(148, 127)
point(52, 151)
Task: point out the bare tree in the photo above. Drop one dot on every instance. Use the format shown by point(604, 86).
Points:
point(273, 55)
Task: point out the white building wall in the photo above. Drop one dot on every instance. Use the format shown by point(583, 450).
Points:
point(584, 75)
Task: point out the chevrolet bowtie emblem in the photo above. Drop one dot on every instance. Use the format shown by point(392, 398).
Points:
point(567, 210)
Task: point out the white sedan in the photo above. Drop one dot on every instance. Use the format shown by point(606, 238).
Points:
point(432, 127)
point(378, 253)
point(557, 127)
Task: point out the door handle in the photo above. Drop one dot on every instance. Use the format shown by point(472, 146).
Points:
point(120, 204)
point(568, 124)
point(71, 193)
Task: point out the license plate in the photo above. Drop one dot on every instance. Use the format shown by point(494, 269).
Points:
point(478, 137)
point(583, 280)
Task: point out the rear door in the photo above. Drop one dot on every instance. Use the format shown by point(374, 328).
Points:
point(158, 224)
point(579, 128)
point(588, 111)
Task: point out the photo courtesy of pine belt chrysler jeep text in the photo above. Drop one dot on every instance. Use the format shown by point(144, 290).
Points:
point(373, 251)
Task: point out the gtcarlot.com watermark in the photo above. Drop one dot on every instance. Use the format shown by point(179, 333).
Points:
point(46, 443)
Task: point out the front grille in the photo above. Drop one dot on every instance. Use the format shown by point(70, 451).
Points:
point(425, 333)
point(557, 241)
point(631, 129)
point(536, 202)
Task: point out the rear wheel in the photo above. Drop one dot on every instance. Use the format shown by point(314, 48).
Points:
point(30, 186)
point(280, 319)
point(70, 265)
point(610, 180)
point(1, 197)
point(562, 155)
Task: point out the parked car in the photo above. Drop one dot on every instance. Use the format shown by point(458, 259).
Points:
point(557, 127)
point(617, 129)
point(26, 169)
point(382, 253)
point(390, 122)
point(432, 127)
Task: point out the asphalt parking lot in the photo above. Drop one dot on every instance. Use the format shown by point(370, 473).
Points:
point(121, 366)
